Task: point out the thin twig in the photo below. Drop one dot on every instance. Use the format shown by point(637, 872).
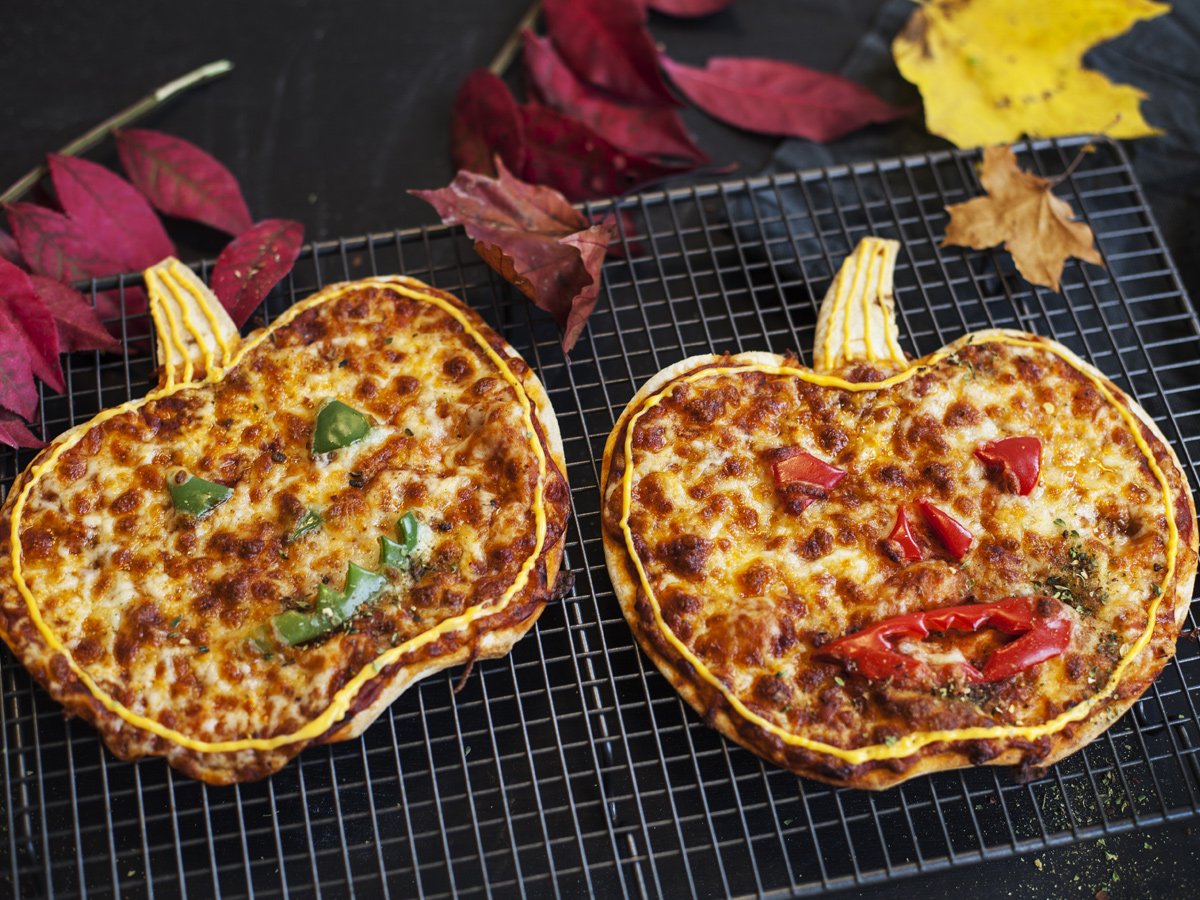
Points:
point(1086, 148)
point(508, 52)
point(125, 117)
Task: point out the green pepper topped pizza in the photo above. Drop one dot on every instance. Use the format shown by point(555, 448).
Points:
point(878, 567)
point(289, 530)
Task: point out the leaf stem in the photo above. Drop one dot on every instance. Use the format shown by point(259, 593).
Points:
point(508, 52)
point(125, 117)
point(1086, 148)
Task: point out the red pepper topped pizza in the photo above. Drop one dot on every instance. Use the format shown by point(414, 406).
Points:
point(877, 567)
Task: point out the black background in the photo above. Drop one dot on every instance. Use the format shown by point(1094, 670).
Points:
point(336, 109)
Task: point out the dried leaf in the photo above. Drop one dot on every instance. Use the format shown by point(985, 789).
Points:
point(1020, 210)
point(79, 325)
point(607, 45)
point(14, 433)
point(533, 237)
point(9, 249)
point(28, 317)
point(648, 131)
point(111, 212)
point(688, 8)
point(991, 71)
point(182, 180)
point(774, 97)
point(592, 244)
point(623, 241)
point(485, 123)
point(253, 263)
point(570, 157)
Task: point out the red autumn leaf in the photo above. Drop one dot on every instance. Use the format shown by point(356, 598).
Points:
point(110, 211)
point(9, 249)
point(485, 123)
point(570, 157)
point(647, 131)
point(28, 317)
point(533, 237)
point(17, 390)
point(14, 433)
point(79, 325)
point(607, 45)
point(180, 179)
point(253, 263)
point(592, 244)
point(773, 97)
point(688, 8)
point(56, 246)
point(623, 241)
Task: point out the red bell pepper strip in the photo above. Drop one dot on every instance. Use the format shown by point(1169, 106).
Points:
point(1016, 461)
point(793, 466)
point(902, 537)
point(797, 472)
point(953, 535)
point(1043, 626)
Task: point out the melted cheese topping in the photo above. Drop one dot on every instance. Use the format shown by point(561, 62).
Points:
point(98, 576)
point(708, 522)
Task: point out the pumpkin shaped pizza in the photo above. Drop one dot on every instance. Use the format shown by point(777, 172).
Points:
point(291, 529)
point(876, 567)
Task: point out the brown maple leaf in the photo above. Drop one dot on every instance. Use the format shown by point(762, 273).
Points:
point(1020, 211)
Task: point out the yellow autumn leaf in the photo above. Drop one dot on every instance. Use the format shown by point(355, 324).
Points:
point(991, 71)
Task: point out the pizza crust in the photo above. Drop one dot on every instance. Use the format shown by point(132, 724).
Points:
point(1026, 757)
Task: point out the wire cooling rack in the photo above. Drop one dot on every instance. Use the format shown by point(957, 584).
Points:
point(571, 766)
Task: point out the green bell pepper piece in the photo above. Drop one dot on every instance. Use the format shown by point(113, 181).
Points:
point(396, 555)
point(361, 585)
point(306, 523)
point(338, 425)
point(294, 627)
point(391, 554)
point(195, 496)
point(333, 608)
point(410, 530)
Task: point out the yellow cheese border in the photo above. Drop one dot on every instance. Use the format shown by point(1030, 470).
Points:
point(341, 701)
point(910, 743)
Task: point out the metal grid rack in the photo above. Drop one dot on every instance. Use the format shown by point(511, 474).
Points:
point(571, 766)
